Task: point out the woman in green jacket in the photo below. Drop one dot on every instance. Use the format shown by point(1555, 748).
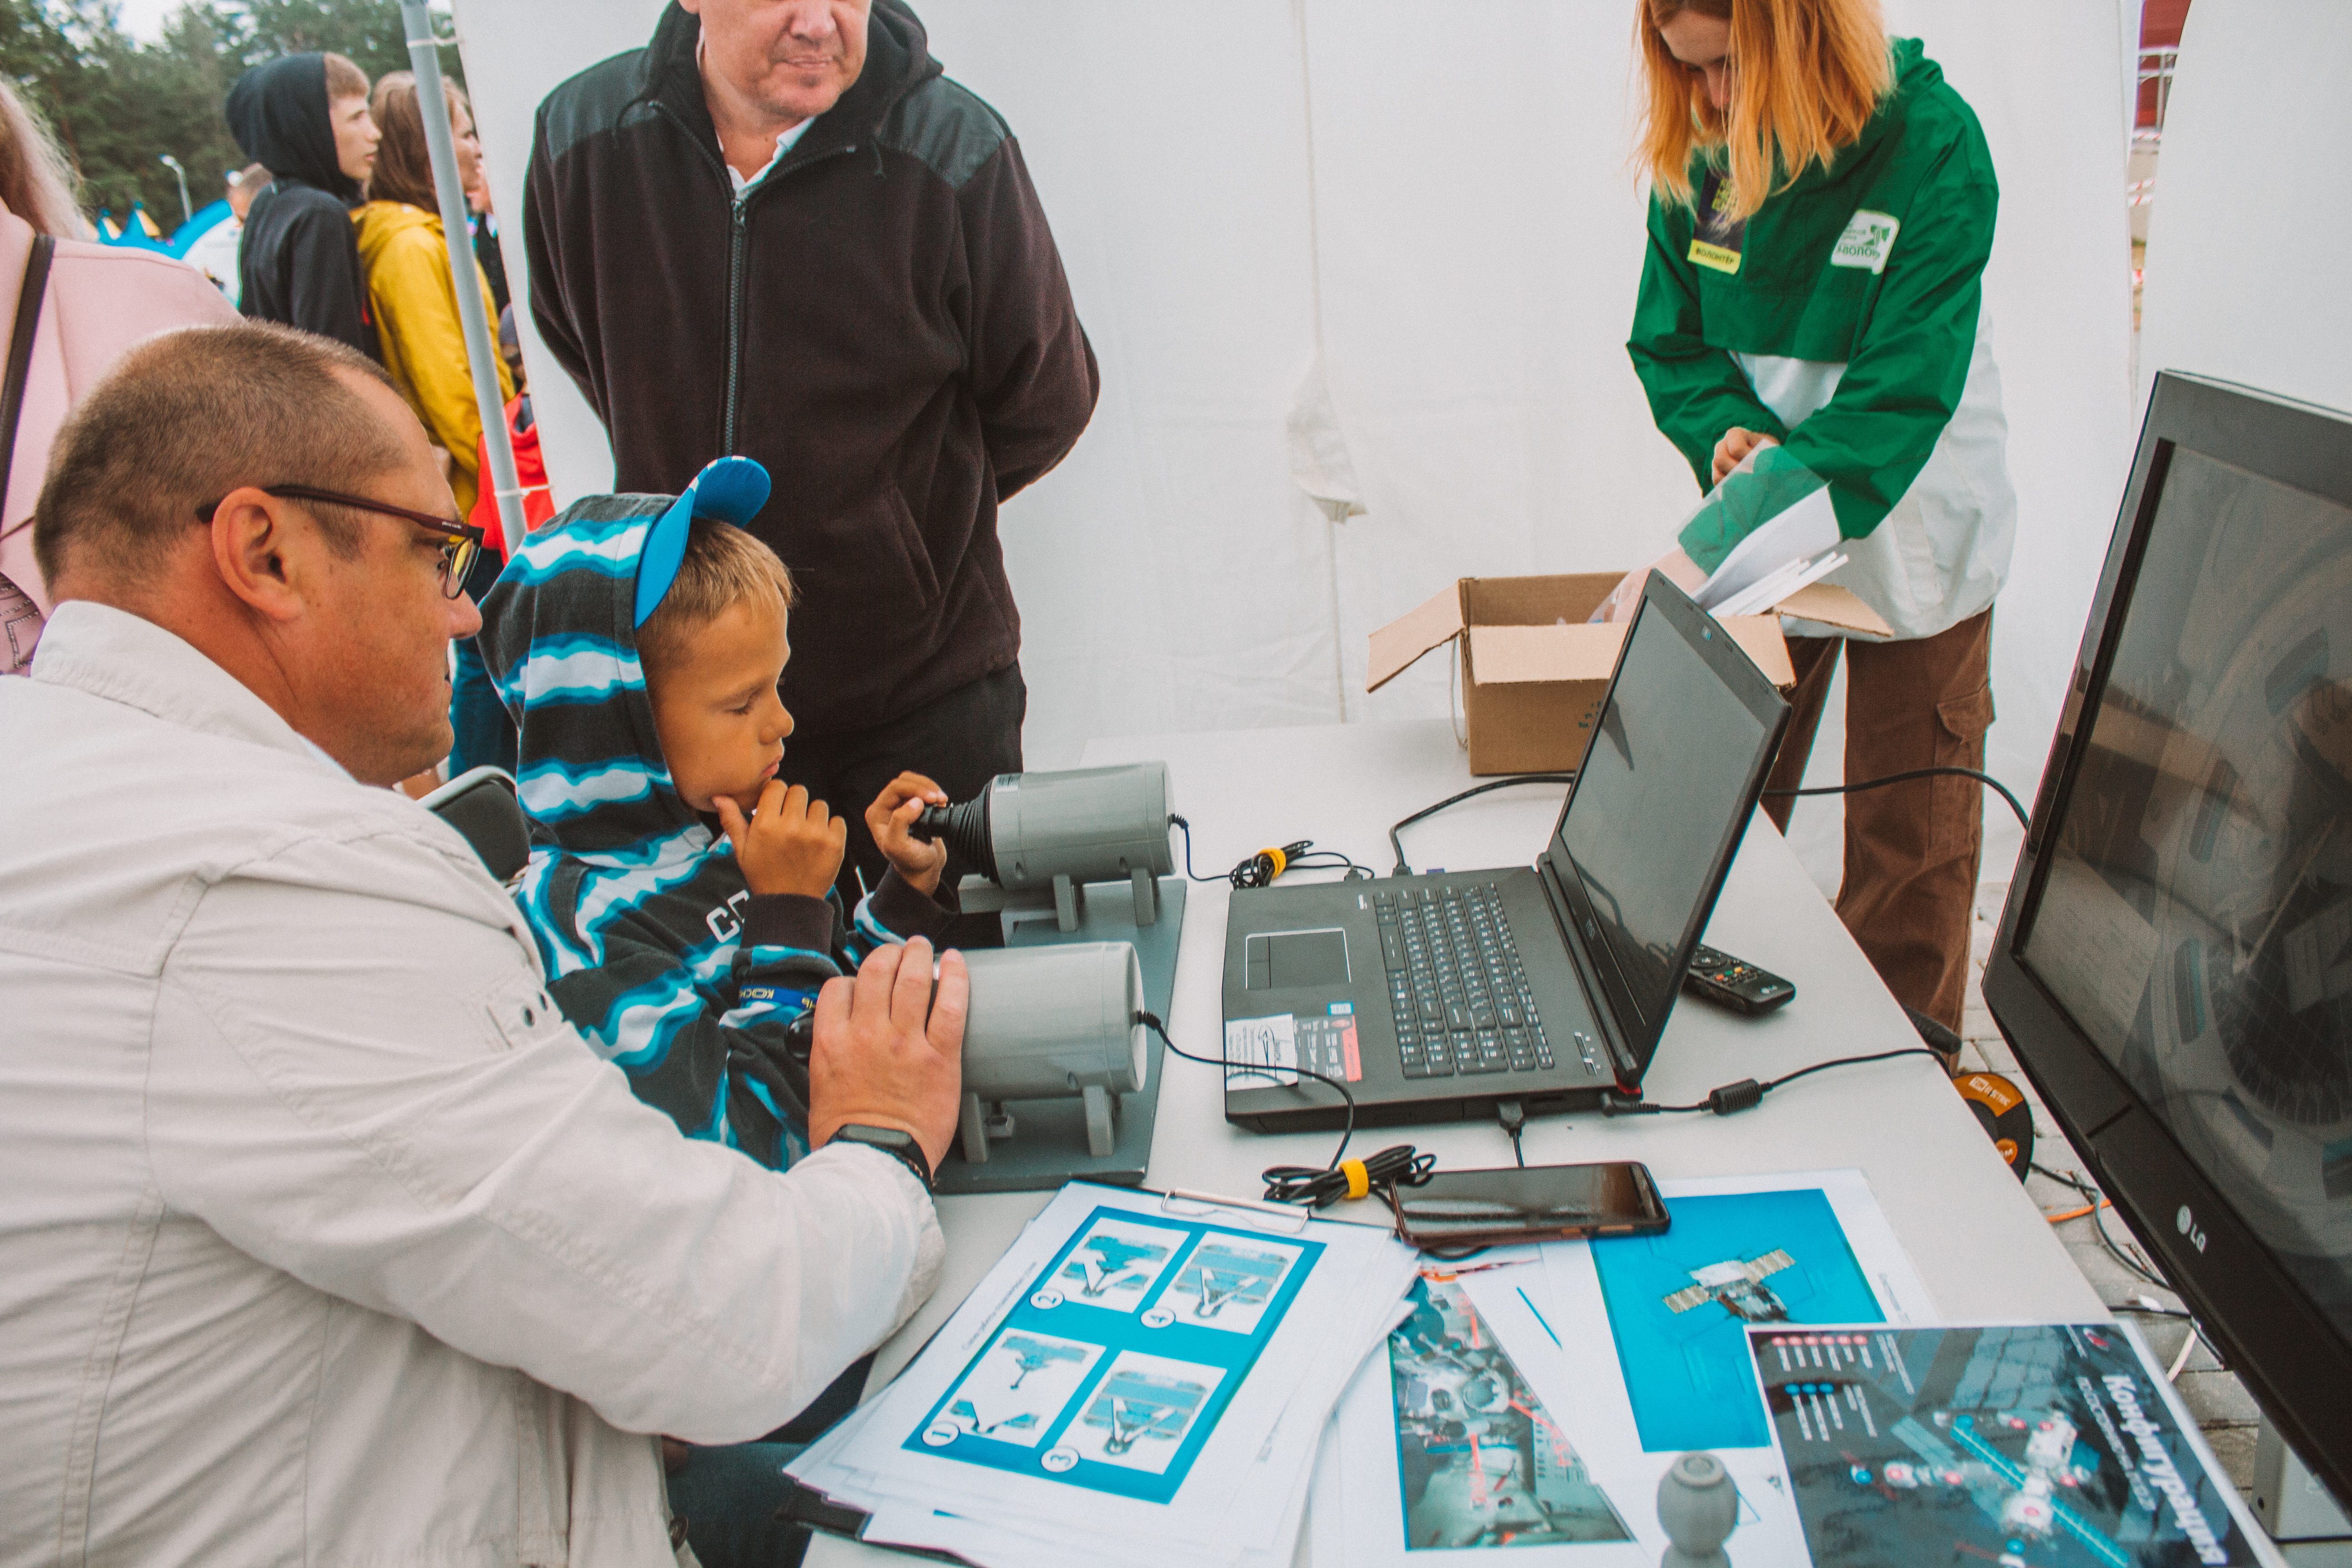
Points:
point(1821, 210)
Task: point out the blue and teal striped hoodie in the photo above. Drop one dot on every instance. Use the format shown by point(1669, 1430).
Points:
point(658, 951)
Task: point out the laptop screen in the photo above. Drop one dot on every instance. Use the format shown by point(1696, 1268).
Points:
point(1667, 783)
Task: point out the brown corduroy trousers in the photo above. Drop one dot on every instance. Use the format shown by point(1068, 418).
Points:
point(1911, 849)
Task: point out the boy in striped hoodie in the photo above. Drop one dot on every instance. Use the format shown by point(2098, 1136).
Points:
point(637, 641)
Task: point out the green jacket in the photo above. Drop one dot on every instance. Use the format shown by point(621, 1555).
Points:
point(1843, 317)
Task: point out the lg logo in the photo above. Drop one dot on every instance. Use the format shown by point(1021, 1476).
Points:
point(2186, 1223)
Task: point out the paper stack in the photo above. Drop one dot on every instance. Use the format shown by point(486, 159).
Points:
point(1139, 1380)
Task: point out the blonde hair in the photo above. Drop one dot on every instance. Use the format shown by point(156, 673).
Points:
point(1809, 76)
point(344, 79)
point(37, 182)
point(404, 162)
point(723, 566)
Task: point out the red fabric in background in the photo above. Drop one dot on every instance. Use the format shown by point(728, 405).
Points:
point(531, 472)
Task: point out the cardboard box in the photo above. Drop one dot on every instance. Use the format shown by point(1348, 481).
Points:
point(1533, 671)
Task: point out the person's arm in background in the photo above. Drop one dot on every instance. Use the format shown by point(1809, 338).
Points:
point(417, 307)
point(1696, 392)
point(369, 1091)
point(1911, 360)
point(1032, 370)
point(325, 291)
point(562, 321)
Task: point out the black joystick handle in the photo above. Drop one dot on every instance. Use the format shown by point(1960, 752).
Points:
point(964, 829)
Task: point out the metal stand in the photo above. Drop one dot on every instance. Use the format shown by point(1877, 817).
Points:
point(1036, 1145)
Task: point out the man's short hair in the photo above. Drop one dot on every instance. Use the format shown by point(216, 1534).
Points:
point(191, 415)
point(344, 79)
point(723, 566)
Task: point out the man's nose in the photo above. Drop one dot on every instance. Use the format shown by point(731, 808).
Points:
point(464, 617)
point(811, 19)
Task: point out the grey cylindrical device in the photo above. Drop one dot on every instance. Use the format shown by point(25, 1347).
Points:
point(1050, 1022)
point(1090, 825)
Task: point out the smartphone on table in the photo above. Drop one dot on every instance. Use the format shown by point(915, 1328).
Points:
point(1516, 1204)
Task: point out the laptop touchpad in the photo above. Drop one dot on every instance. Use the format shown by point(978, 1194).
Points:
point(1281, 958)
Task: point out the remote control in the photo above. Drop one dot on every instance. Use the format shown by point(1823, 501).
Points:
point(1733, 982)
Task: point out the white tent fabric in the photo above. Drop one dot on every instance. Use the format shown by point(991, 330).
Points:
point(1360, 274)
point(2245, 249)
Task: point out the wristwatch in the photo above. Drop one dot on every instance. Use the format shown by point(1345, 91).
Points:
point(891, 1141)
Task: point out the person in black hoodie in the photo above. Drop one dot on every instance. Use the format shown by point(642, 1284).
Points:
point(305, 118)
point(777, 231)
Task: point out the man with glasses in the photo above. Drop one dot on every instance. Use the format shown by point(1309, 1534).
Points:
point(323, 1237)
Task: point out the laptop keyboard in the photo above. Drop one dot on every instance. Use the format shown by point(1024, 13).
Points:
point(1455, 984)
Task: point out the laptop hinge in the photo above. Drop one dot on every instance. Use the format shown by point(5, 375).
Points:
point(1556, 899)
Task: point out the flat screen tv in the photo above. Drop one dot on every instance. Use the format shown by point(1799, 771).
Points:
point(2174, 967)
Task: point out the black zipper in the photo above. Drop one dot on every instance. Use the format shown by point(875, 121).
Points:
point(738, 242)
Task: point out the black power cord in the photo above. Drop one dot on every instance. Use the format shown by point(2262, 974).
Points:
point(1386, 1171)
point(1748, 1092)
point(1260, 869)
point(1986, 779)
point(1403, 869)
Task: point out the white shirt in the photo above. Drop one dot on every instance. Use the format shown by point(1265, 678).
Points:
point(323, 1237)
point(784, 145)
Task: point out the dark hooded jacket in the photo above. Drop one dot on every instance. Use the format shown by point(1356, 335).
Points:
point(300, 262)
point(655, 947)
point(882, 321)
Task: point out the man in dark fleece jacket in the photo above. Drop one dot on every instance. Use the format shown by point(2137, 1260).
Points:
point(305, 118)
point(778, 230)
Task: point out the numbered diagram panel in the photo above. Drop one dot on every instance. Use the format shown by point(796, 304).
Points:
point(1140, 1413)
point(1013, 1391)
point(1114, 1265)
point(1227, 1283)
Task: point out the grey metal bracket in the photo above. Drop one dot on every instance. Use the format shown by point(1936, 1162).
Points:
point(1036, 1145)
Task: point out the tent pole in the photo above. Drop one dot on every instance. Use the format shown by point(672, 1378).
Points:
point(481, 350)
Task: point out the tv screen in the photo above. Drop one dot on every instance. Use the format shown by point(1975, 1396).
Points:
point(2175, 968)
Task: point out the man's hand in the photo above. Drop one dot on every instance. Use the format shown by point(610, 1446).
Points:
point(791, 845)
point(1626, 597)
point(1734, 449)
point(892, 814)
point(887, 1053)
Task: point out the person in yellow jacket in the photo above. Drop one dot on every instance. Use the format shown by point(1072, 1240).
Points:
point(414, 306)
point(410, 293)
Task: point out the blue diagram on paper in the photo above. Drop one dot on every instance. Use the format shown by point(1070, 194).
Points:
point(1117, 1361)
point(1680, 1301)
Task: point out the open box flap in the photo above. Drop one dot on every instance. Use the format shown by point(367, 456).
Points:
point(1506, 655)
point(1501, 655)
point(1826, 604)
point(1397, 645)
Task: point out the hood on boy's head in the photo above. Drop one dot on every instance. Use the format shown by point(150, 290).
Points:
point(560, 638)
point(278, 114)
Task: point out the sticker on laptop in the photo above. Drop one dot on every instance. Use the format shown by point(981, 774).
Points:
point(1267, 1053)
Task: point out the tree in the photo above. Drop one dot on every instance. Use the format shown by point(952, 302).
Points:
point(117, 105)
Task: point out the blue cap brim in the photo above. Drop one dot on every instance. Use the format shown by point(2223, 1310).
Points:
point(731, 490)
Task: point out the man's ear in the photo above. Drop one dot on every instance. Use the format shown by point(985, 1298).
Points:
point(264, 552)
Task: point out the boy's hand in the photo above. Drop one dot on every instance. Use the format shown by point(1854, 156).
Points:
point(791, 845)
point(889, 817)
point(1734, 448)
point(888, 1053)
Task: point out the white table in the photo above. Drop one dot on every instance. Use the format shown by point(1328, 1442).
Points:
point(1980, 1244)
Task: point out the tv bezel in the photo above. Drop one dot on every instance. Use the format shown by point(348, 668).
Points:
point(2297, 1364)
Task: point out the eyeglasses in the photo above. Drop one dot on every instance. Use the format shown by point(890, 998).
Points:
point(461, 541)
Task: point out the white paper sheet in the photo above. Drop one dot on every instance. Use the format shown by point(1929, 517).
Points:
point(1135, 1379)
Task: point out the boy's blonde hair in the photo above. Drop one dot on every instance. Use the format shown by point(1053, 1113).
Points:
point(723, 566)
point(344, 79)
point(1809, 74)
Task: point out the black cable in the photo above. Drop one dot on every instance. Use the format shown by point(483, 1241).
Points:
point(1151, 1021)
point(2099, 1224)
point(1259, 869)
point(1746, 1092)
point(1514, 1117)
point(1398, 1165)
point(1402, 869)
point(2023, 820)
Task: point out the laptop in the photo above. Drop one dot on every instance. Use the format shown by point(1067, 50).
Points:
point(1438, 996)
